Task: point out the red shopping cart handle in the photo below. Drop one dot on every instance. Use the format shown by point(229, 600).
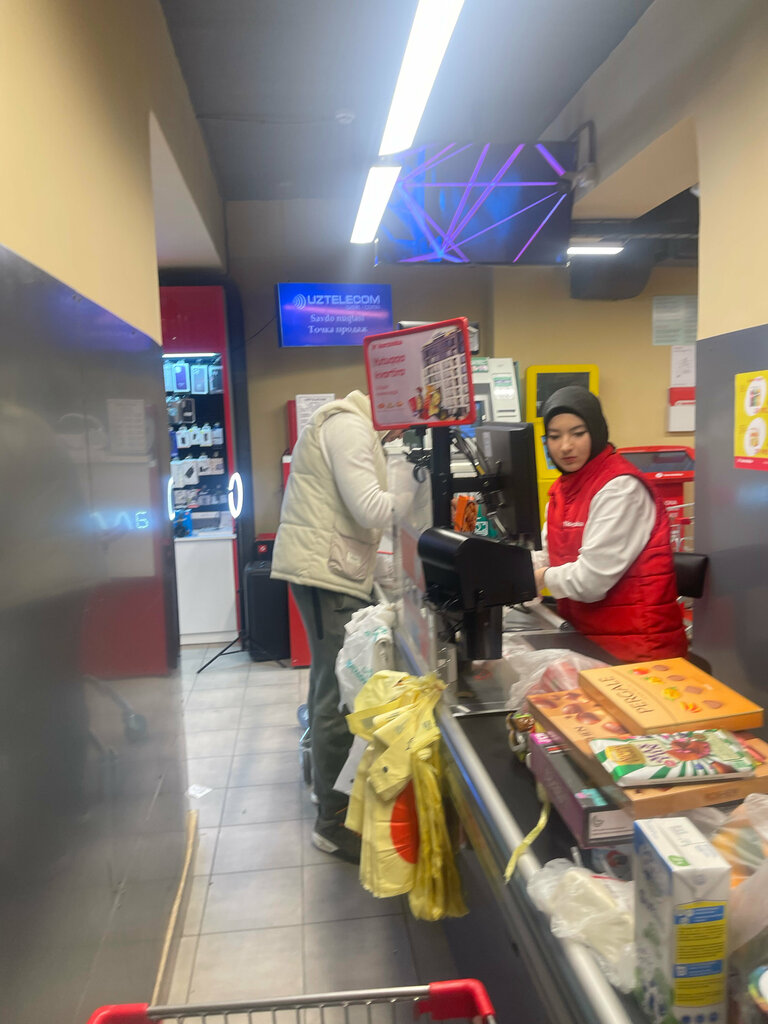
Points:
point(449, 1000)
point(130, 1013)
point(444, 1000)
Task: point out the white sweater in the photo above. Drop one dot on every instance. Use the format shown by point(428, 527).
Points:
point(619, 524)
point(345, 443)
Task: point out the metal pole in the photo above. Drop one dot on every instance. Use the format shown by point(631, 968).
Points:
point(442, 490)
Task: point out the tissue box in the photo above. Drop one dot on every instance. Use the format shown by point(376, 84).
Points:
point(682, 886)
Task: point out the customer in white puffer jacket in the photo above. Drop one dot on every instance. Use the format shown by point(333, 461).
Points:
point(335, 507)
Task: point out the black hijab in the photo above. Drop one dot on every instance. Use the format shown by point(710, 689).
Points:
point(582, 403)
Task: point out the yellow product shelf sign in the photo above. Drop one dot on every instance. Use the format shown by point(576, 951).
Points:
point(750, 436)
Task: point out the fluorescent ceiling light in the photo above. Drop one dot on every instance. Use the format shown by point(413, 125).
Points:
point(595, 250)
point(378, 189)
point(433, 25)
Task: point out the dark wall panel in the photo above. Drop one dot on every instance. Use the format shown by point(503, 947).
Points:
point(729, 623)
point(92, 812)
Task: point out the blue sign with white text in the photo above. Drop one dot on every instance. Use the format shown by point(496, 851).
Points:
point(312, 315)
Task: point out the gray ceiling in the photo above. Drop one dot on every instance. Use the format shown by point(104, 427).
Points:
point(268, 79)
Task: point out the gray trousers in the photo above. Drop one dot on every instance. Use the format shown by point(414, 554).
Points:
point(325, 613)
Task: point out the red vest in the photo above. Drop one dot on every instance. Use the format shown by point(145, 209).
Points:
point(639, 618)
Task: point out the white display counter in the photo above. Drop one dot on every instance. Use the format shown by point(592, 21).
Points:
point(205, 581)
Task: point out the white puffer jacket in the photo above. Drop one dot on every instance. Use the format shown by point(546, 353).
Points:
point(319, 542)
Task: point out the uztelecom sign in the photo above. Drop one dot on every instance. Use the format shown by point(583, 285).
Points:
point(313, 315)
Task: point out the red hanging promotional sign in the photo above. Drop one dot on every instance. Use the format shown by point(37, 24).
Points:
point(421, 376)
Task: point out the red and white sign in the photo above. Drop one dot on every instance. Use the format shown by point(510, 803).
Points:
point(681, 410)
point(421, 377)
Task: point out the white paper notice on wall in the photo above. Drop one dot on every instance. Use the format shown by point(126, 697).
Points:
point(682, 368)
point(306, 405)
point(675, 319)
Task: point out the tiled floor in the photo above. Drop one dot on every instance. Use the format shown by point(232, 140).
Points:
point(268, 914)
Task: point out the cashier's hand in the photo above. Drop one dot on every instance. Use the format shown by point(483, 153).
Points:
point(538, 575)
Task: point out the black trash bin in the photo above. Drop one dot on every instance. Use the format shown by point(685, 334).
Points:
point(266, 608)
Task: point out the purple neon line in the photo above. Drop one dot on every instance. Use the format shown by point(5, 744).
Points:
point(556, 167)
point(463, 241)
point(428, 161)
point(481, 184)
point(487, 191)
point(458, 211)
point(433, 256)
point(421, 217)
point(438, 158)
point(420, 211)
point(538, 229)
point(438, 230)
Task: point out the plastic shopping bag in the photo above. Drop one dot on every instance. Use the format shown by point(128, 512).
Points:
point(592, 909)
point(367, 649)
point(436, 891)
point(386, 820)
point(743, 838)
point(396, 801)
point(547, 671)
point(742, 841)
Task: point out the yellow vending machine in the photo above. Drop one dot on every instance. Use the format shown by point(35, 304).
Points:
point(540, 383)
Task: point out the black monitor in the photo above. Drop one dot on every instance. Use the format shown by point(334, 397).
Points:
point(507, 452)
point(550, 381)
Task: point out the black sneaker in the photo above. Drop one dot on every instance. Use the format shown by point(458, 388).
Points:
point(334, 838)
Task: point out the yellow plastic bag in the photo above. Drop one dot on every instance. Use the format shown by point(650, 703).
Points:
point(386, 821)
point(436, 889)
point(396, 801)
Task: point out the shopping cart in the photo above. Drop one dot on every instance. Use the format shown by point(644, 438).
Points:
point(680, 526)
point(442, 1000)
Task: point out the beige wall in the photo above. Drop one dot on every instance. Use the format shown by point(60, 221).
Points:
point(309, 241)
point(535, 321)
point(697, 64)
point(80, 78)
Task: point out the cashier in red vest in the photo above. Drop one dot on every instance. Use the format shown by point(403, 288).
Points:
point(606, 552)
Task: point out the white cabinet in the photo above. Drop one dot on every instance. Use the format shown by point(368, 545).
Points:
point(205, 582)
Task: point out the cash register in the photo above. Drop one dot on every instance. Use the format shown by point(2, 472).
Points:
point(469, 579)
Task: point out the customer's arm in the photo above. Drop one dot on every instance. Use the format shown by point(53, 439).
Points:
point(619, 524)
point(346, 443)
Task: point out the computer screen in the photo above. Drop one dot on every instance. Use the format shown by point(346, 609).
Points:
point(548, 383)
point(508, 453)
point(665, 460)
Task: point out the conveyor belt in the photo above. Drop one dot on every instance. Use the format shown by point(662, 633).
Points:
point(496, 801)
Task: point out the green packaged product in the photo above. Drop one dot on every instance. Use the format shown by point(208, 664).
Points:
point(663, 759)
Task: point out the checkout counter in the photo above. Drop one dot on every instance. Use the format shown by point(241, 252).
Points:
point(545, 979)
point(530, 973)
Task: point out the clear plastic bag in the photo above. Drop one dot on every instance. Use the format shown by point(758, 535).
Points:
point(547, 671)
point(743, 837)
point(591, 909)
point(512, 646)
point(368, 648)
